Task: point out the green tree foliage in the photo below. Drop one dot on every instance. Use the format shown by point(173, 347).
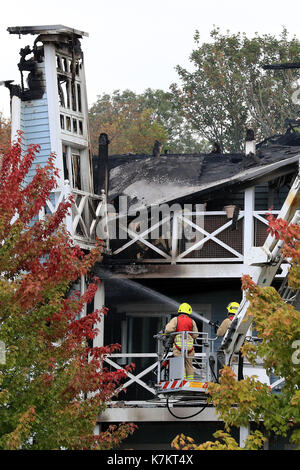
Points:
point(182, 138)
point(224, 442)
point(131, 128)
point(134, 121)
point(228, 91)
point(53, 385)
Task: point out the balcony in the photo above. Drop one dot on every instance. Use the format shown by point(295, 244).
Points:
point(188, 237)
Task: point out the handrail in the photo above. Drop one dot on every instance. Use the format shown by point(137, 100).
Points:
point(171, 251)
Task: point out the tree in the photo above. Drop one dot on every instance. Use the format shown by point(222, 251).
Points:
point(182, 138)
point(278, 326)
point(229, 91)
point(131, 128)
point(53, 384)
point(4, 133)
point(134, 121)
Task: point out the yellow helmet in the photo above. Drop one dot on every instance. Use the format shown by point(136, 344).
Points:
point(233, 307)
point(185, 308)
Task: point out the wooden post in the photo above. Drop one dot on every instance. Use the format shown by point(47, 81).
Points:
point(249, 202)
point(244, 433)
point(99, 302)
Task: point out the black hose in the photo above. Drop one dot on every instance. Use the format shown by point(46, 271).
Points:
point(185, 417)
point(211, 368)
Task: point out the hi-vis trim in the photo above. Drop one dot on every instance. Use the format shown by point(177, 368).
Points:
point(175, 384)
point(198, 384)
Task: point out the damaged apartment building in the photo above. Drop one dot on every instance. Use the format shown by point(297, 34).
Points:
point(177, 228)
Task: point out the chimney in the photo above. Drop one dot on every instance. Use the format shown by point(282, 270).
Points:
point(250, 144)
point(157, 148)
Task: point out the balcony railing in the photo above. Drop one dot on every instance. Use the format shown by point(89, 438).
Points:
point(86, 212)
point(150, 363)
point(189, 237)
point(179, 237)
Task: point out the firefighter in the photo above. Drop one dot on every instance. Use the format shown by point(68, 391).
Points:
point(183, 322)
point(232, 308)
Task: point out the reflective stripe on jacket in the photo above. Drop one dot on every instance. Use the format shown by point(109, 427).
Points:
point(188, 343)
point(172, 327)
point(184, 323)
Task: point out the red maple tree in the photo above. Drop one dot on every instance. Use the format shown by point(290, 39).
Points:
point(53, 384)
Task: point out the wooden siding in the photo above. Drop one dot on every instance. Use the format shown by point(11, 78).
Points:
point(35, 127)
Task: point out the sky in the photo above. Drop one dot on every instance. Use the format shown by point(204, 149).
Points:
point(136, 44)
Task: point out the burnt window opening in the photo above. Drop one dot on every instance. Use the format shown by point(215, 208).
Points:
point(73, 97)
point(68, 123)
point(75, 126)
point(69, 90)
point(76, 171)
point(63, 91)
point(58, 63)
point(65, 163)
point(61, 96)
point(77, 67)
point(65, 64)
point(79, 97)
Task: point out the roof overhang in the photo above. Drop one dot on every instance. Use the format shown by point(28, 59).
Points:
point(255, 175)
point(46, 29)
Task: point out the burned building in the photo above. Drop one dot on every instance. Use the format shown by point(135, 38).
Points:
point(177, 228)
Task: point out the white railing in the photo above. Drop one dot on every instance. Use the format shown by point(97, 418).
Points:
point(205, 245)
point(134, 379)
point(190, 237)
point(137, 379)
point(86, 212)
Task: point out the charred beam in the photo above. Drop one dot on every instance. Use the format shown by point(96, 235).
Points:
point(103, 162)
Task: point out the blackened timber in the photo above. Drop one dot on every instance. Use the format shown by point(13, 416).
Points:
point(180, 271)
point(103, 182)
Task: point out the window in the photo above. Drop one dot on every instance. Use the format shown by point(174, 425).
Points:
point(75, 126)
point(73, 94)
point(65, 163)
point(79, 97)
point(63, 91)
point(76, 171)
point(68, 123)
point(58, 63)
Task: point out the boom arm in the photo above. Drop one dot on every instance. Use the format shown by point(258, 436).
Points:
point(268, 258)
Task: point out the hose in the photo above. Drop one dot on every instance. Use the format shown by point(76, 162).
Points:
point(185, 417)
point(211, 368)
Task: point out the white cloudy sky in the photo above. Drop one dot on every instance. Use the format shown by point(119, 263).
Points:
point(137, 43)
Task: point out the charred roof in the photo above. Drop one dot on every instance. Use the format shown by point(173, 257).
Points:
point(149, 180)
